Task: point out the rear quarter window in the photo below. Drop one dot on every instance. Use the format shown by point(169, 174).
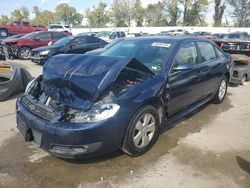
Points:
point(207, 51)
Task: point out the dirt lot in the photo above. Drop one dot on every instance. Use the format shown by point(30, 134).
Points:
point(209, 149)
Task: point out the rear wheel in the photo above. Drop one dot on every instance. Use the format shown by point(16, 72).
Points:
point(24, 53)
point(3, 33)
point(221, 92)
point(142, 132)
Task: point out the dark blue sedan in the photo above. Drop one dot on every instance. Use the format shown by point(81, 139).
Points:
point(85, 105)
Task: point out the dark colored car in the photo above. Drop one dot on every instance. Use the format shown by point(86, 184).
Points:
point(67, 45)
point(89, 105)
point(22, 47)
point(98, 51)
point(2, 56)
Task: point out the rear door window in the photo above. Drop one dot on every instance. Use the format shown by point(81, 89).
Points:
point(207, 51)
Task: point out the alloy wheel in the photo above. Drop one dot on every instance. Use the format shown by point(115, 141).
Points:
point(144, 130)
point(222, 89)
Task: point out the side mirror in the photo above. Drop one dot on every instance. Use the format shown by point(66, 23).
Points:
point(182, 67)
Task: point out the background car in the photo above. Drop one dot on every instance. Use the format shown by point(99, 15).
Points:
point(98, 51)
point(104, 35)
point(235, 43)
point(122, 99)
point(176, 32)
point(200, 33)
point(2, 56)
point(19, 27)
point(59, 27)
point(21, 47)
point(116, 34)
point(67, 45)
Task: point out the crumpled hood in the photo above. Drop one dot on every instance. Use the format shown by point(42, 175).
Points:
point(78, 80)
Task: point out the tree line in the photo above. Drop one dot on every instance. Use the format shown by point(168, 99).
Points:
point(123, 13)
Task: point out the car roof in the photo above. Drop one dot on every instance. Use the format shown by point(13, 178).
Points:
point(170, 38)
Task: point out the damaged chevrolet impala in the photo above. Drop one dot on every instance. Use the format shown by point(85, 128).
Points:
point(87, 105)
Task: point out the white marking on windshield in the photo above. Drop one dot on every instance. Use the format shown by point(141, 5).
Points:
point(160, 44)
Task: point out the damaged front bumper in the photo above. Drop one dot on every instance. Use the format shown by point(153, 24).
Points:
point(64, 139)
point(37, 58)
point(9, 51)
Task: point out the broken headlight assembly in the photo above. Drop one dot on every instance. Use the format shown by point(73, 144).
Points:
point(98, 112)
point(44, 52)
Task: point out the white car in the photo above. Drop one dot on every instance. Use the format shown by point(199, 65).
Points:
point(59, 27)
point(177, 32)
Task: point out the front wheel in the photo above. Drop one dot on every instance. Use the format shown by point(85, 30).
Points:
point(142, 132)
point(24, 53)
point(222, 91)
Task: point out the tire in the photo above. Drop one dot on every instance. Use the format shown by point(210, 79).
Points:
point(3, 33)
point(24, 53)
point(222, 91)
point(140, 136)
point(243, 79)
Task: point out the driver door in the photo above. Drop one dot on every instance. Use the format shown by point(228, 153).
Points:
point(184, 87)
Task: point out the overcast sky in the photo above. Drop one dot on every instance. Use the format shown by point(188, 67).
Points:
point(7, 6)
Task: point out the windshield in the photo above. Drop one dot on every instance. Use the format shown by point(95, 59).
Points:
point(30, 35)
point(15, 36)
point(63, 42)
point(151, 53)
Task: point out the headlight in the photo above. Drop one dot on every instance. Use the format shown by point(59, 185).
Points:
point(44, 52)
point(29, 86)
point(97, 113)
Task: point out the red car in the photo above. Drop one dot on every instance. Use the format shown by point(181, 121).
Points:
point(19, 27)
point(22, 47)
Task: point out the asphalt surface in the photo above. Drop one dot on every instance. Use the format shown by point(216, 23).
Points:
point(209, 149)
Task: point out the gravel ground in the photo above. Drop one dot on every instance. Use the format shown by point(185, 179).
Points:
point(209, 149)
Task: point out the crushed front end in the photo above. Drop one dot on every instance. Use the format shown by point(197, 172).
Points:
point(72, 121)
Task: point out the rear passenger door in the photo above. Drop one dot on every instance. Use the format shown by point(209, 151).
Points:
point(184, 87)
point(211, 65)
